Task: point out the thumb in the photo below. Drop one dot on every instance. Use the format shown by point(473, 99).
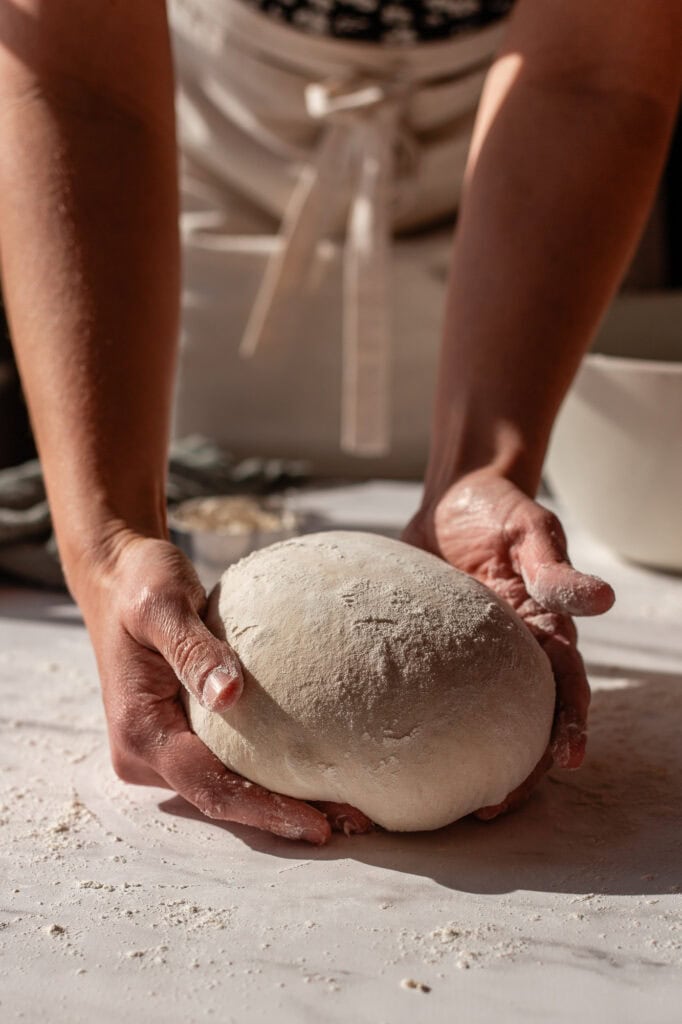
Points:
point(205, 665)
point(559, 587)
point(542, 560)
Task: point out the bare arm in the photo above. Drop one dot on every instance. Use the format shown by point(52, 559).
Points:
point(88, 237)
point(569, 145)
point(90, 268)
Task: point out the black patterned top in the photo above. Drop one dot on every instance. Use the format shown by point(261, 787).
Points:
point(394, 22)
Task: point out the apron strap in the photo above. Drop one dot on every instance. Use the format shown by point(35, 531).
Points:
point(308, 212)
point(359, 143)
point(366, 385)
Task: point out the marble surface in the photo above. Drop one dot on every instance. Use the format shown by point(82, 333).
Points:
point(121, 903)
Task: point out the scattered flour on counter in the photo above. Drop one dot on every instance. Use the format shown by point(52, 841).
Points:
point(193, 918)
point(73, 816)
point(103, 887)
point(458, 946)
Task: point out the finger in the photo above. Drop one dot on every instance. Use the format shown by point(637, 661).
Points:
point(557, 636)
point(195, 773)
point(561, 588)
point(541, 558)
point(344, 818)
point(543, 624)
point(150, 740)
point(569, 732)
point(204, 664)
point(519, 795)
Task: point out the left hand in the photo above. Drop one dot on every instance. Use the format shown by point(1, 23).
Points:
point(486, 526)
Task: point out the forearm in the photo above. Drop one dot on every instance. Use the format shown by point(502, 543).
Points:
point(88, 236)
point(562, 171)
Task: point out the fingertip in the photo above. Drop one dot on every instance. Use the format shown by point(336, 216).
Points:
point(489, 813)
point(344, 818)
point(314, 836)
point(316, 830)
point(559, 587)
point(568, 748)
point(222, 689)
point(296, 820)
point(356, 825)
point(593, 595)
point(604, 596)
point(566, 758)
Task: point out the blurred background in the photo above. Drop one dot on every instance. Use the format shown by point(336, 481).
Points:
point(304, 423)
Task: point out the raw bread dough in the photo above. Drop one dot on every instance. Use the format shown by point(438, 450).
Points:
point(376, 675)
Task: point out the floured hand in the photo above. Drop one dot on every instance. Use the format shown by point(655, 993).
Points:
point(487, 527)
point(144, 610)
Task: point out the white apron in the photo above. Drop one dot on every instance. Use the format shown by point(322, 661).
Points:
point(313, 172)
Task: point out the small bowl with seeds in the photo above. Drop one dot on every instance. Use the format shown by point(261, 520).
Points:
point(218, 530)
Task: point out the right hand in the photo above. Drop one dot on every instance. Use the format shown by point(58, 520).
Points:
point(484, 525)
point(143, 606)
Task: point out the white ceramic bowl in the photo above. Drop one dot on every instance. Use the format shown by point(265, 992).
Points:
point(615, 460)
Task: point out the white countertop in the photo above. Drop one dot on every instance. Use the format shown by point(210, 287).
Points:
point(122, 904)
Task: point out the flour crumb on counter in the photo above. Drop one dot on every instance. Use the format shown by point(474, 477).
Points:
point(459, 946)
point(415, 986)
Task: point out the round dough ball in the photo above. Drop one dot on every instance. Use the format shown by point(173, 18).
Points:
point(376, 675)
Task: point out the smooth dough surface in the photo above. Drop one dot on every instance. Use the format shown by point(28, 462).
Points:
point(376, 675)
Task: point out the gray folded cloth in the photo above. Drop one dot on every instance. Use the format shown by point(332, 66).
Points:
point(197, 467)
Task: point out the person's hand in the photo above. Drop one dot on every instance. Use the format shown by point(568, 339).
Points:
point(143, 608)
point(487, 527)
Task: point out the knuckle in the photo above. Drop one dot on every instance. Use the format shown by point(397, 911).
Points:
point(157, 610)
point(187, 653)
point(221, 796)
point(205, 801)
point(193, 658)
point(132, 731)
point(541, 622)
point(148, 606)
point(546, 522)
point(123, 765)
point(131, 744)
point(204, 797)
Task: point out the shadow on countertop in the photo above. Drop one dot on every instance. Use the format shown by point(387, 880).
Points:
point(614, 827)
